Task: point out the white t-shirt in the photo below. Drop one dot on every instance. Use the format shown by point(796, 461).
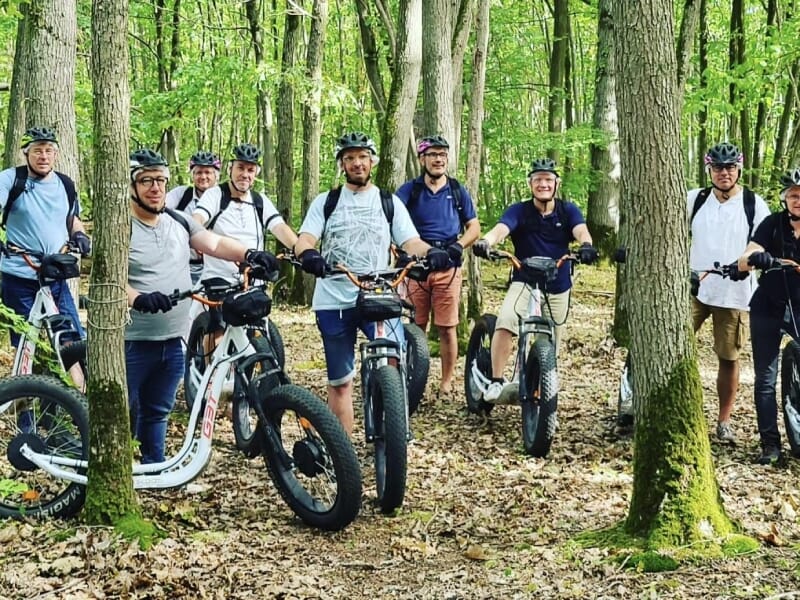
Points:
point(239, 221)
point(175, 195)
point(719, 234)
point(356, 235)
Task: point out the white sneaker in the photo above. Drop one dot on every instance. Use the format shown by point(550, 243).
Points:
point(494, 390)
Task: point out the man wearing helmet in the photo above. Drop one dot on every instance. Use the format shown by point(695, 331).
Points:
point(720, 229)
point(358, 235)
point(204, 168)
point(40, 213)
point(778, 291)
point(542, 226)
point(442, 211)
point(153, 344)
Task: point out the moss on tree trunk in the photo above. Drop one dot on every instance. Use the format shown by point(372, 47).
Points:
point(676, 497)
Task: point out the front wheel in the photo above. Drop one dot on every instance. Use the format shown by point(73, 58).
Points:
point(418, 362)
point(539, 418)
point(391, 441)
point(310, 458)
point(479, 353)
point(51, 419)
point(790, 394)
point(196, 357)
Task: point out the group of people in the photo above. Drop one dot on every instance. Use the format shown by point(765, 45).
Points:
point(207, 228)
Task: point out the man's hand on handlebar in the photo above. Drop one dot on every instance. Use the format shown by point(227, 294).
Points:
point(588, 254)
point(481, 248)
point(152, 302)
point(761, 260)
point(313, 263)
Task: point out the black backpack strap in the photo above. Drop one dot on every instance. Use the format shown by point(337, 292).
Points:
point(387, 203)
point(413, 198)
point(458, 200)
point(699, 200)
point(72, 199)
point(258, 202)
point(180, 218)
point(20, 179)
point(224, 201)
point(331, 201)
point(188, 194)
point(749, 201)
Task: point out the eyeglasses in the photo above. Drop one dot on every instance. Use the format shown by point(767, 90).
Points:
point(435, 155)
point(348, 160)
point(543, 180)
point(721, 168)
point(49, 151)
point(149, 181)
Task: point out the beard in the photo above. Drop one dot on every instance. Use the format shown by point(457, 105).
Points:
point(357, 180)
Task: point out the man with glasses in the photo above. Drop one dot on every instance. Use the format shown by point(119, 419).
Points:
point(541, 226)
point(40, 213)
point(722, 220)
point(442, 211)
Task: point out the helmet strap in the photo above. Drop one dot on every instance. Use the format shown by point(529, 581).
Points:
point(152, 211)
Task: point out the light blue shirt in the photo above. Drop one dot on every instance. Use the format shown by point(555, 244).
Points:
point(356, 235)
point(37, 221)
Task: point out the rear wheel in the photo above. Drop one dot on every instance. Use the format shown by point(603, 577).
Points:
point(51, 419)
point(310, 458)
point(539, 418)
point(196, 357)
point(790, 394)
point(479, 353)
point(389, 414)
point(625, 395)
point(418, 360)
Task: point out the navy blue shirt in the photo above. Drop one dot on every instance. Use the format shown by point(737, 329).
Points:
point(536, 235)
point(775, 235)
point(435, 215)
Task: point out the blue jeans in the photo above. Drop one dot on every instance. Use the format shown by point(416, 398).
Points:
point(154, 369)
point(766, 331)
point(19, 293)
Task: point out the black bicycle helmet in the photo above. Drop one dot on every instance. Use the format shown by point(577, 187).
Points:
point(547, 165)
point(203, 158)
point(37, 134)
point(246, 153)
point(724, 153)
point(355, 139)
point(144, 158)
point(790, 179)
point(431, 141)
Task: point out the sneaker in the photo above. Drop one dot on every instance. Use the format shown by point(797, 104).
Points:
point(494, 390)
point(770, 455)
point(725, 433)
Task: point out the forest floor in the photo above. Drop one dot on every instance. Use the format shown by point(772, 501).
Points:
point(480, 519)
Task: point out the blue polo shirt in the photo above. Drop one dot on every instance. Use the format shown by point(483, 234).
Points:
point(435, 214)
point(536, 235)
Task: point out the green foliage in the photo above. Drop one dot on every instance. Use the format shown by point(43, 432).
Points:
point(133, 527)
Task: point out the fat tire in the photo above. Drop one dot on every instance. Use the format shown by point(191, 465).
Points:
point(391, 441)
point(539, 412)
point(195, 356)
point(418, 363)
point(790, 392)
point(276, 341)
point(624, 418)
point(479, 347)
point(62, 428)
point(341, 462)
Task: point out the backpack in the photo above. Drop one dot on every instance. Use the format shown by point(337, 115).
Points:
point(333, 199)
point(188, 194)
point(21, 179)
point(225, 200)
point(455, 189)
point(749, 202)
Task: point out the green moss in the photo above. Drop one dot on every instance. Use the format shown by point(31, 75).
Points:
point(652, 562)
point(736, 545)
point(133, 527)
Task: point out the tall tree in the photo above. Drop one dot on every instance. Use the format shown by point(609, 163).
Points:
point(558, 64)
point(438, 17)
point(285, 113)
point(263, 102)
point(110, 494)
point(676, 497)
point(15, 125)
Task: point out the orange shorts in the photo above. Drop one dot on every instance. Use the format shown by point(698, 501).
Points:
point(441, 292)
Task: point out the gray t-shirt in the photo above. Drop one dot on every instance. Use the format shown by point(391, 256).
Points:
point(159, 262)
point(356, 235)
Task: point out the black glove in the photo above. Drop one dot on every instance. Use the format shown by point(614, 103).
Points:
point(438, 259)
point(262, 258)
point(734, 274)
point(694, 283)
point(620, 254)
point(313, 262)
point(82, 241)
point(481, 248)
point(152, 302)
point(587, 253)
point(454, 251)
point(403, 259)
point(760, 260)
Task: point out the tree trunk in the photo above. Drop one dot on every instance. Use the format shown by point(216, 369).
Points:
point(312, 131)
point(397, 127)
point(475, 150)
point(761, 113)
point(437, 72)
point(369, 46)
point(558, 59)
point(15, 126)
point(263, 101)
point(110, 494)
point(675, 498)
point(462, 25)
point(691, 14)
point(702, 116)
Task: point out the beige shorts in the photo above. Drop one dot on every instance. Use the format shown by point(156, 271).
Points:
point(516, 305)
point(729, 325)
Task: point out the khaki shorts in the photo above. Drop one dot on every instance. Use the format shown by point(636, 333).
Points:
point(729, 325)
point(516, 304)
point(441, 292)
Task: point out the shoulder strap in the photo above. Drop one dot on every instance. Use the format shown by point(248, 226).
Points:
point(224, 201)
point(20, 179)
point(749, 201)
point(188, 194)
point(72, 199)
point(258, 202)
point(458, 199)
point(331, 201)
point(699, 200)
point(387, 203)
point(180, 218)
point(416, 191)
